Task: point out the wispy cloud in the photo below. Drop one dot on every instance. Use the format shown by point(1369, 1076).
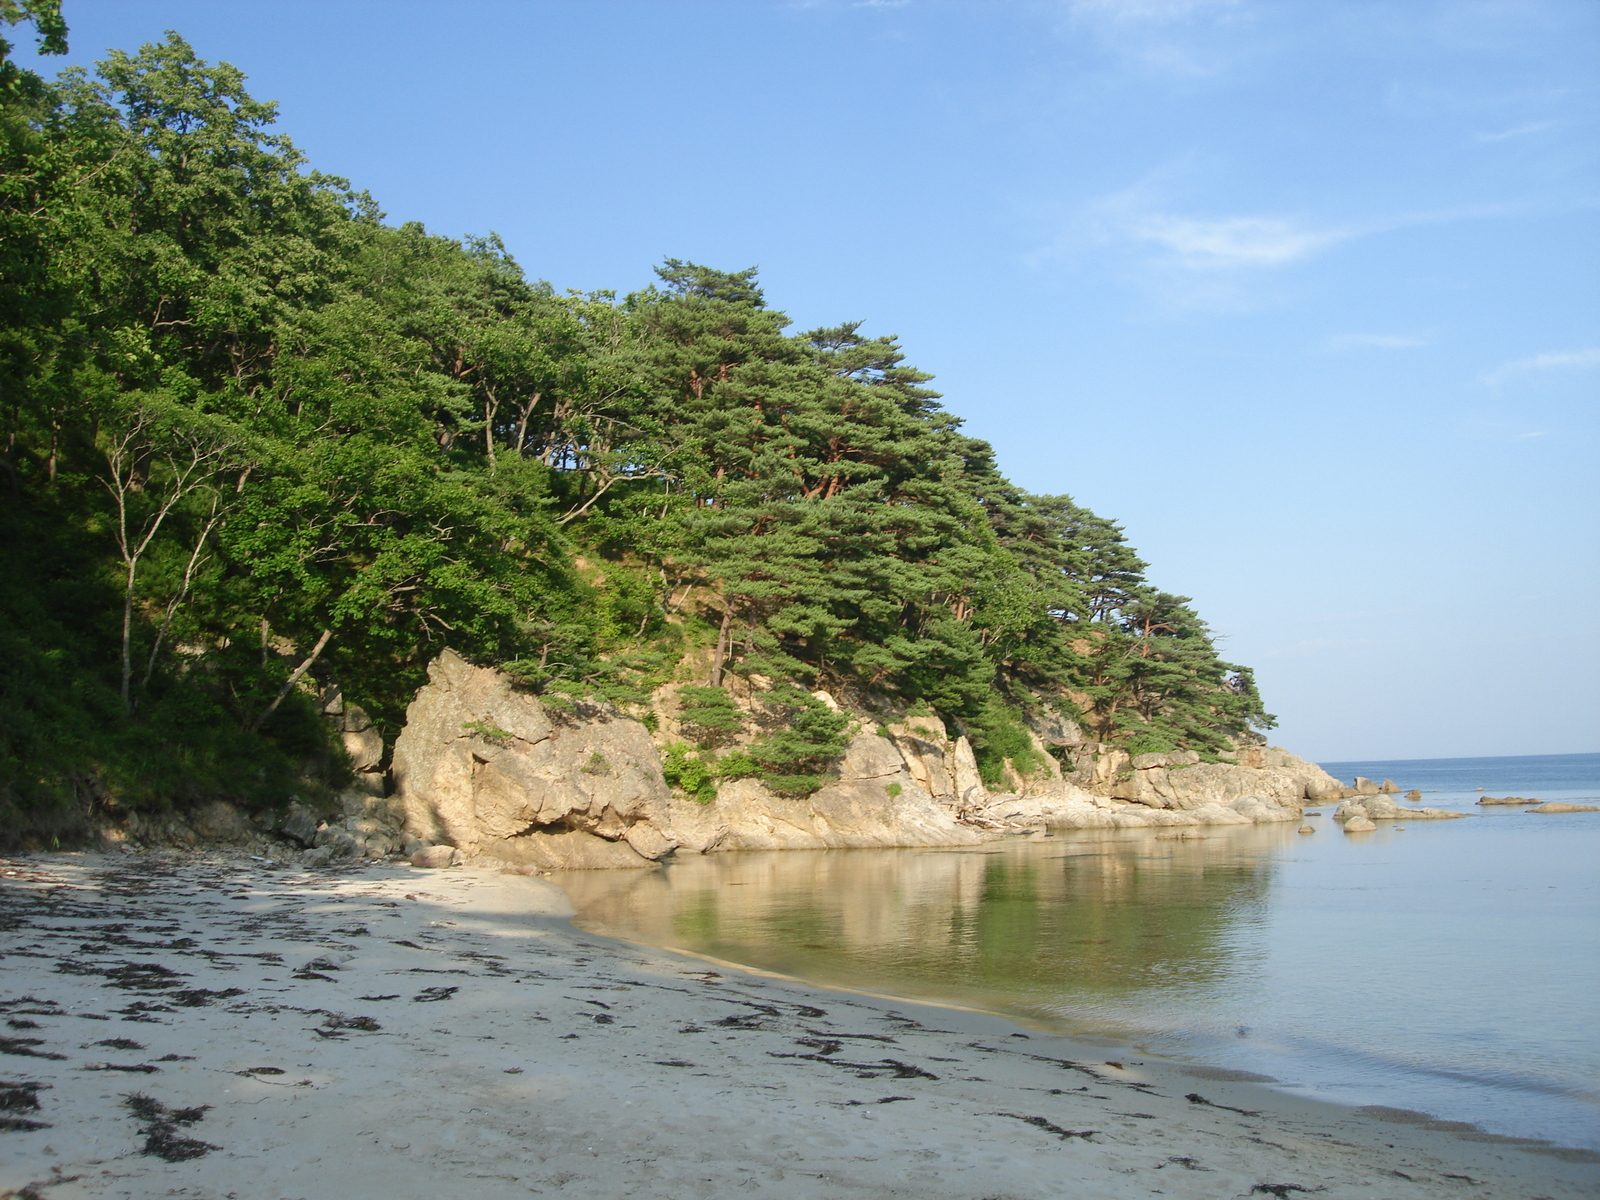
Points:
point(1229, 243)
point(1519, 131)
point(1563, 360)
point(1382, 341)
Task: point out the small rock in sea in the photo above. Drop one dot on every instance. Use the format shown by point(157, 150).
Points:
point(1306, 829)
point(1365, 786)
point(1564, 808)
point(1389, 786)
point(1508, 800)
point(1359, 824)
point(1413, 794)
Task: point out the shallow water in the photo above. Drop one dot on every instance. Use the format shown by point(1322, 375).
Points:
point(1448, 966)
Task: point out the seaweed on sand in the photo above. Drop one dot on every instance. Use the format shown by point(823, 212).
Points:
point(161, 1137)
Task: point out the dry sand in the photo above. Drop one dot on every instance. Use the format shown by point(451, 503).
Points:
point(390, 1032)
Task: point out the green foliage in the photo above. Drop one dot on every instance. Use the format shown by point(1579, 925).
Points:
point(709, 715)
point(792, 760)
point(998, 735)
point(1148, 742)
point(488, 731)
point(693, 774)
point(737, 764)
point(894, 789)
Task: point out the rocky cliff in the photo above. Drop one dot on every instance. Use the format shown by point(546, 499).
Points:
point(503, 777)
point(496, 774)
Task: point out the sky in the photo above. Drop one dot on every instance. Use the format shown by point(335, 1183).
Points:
point(1304, 293)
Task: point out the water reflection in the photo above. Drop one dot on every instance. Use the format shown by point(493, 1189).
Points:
point(1068, 929)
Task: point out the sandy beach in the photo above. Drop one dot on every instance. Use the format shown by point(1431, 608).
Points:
point(205, 1025)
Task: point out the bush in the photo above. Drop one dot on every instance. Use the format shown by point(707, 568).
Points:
point(1148, 742)
point(792, 761)
point(709, 716)
point(690, 773)
point(998, 734)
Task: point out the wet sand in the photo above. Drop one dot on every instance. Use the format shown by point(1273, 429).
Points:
point(202, 1025)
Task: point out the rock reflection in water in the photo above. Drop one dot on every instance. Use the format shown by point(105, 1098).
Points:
point(1073, 926)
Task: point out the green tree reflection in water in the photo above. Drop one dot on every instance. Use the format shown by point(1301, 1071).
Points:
point(1083, 923)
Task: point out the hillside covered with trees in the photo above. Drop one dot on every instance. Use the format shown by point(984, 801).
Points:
point(254, 436)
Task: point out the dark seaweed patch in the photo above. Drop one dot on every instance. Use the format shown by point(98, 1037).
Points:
point(19, 1097)
point(339, 1021)
point(24, 1048)
point(1051, 1127)
point(1197, 1098)
point(200, 997)
point(435, 993)
point(162, 1139)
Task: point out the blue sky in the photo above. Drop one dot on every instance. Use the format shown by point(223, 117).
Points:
point(1306, 294)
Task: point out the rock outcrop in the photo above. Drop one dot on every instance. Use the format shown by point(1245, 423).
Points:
point(878, 800)
point(489, 770)
point(1381, 808)
point(501, 777)
point(1179, 781)
point(362, 742)
point(1074, 808)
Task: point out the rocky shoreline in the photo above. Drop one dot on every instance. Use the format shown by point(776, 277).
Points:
point(489, 774)
point(206, 1025)
point(502, 778)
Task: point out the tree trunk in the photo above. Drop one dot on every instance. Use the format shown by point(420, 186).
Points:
point(127, 634)
point(288, 686)
point(722, 648)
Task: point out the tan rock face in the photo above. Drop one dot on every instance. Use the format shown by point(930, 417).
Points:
point(489, 770)
point(484, 768)
point(964, 772)
point(875, 802)
point(365, 748)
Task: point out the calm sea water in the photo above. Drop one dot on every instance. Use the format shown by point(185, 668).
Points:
point(1447, 966)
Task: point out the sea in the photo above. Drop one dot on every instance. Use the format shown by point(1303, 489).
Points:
point(1446, 967)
